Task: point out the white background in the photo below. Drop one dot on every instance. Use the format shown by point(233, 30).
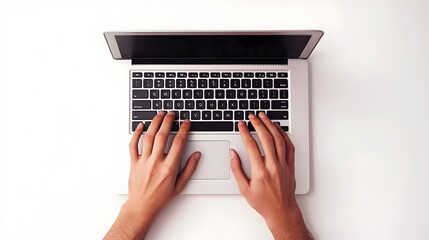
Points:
point(64, 117)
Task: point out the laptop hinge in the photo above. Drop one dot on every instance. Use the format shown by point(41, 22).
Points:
point(209, 61)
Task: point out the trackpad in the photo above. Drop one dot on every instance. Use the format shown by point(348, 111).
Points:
point(214, 162)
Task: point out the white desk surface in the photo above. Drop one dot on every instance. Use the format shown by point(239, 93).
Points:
point(64, 117)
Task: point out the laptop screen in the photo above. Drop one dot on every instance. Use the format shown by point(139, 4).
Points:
point(211, 47)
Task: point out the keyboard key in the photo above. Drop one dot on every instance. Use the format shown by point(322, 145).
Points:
point(224, 83)
point(184, 115)
point(254, 104)
point(195, 115)
point(193, 75)
point(202, 83)
point(134, 125)
point(252, 94)
point(168, 104)
point(157, 104)
point(159, 74)
point(176, 115)
point(282, 74)
point(285, 128)
point(280, 83)
point(274, 94)
point(159, 83)
point(237, 75)
point(232, 104)
point(247, 113)
point(201, 104)
point(187, 94)
point(198, 94)
point(268, 83)
point(211, 104)
point(249, 74)
point(180, 83)
point(189, 104)
point(230, 94)
point(277, 115)
point(146, 125)
point(256, 83)
point(141, 104)
point(154, 94)
point(137, 83)
point(222, 104)
point(263, 94)
point(192, 83)
point(215, 75)
point(245, 83)
point(236, 126)
point(250, 127)
point(182, 74)
point(148, 83)
point(241, 94)
point(204, 74)
point(143, 115)
point(272, 75)
point(208, 94)
point(235, 83)
point(213, 83)
point(282, 104)
point(178, 104)
point(220, 94)
point(148, 75)
point(260, 74)
point(284, 94)
point(137, 74)
point(265, 104)
point(217, 115)
point(212, 126)
point(227, 115)
point(169, 83)
point(165, 94)
point(140, 93)
point(238, 115)
point(243, 104)
point(226, 74)
point(175, 126)
point(206, 115)
point(171, 74)
point(176, 94)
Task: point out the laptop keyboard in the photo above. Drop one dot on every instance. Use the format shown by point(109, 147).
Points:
point(213, 101)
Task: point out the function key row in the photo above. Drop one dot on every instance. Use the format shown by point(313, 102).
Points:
point(211, 74)
point(210, 83)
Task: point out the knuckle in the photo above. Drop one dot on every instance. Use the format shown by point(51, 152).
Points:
point(148, 137)
point(179, 140)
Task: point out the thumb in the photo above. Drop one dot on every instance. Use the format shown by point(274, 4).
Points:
point(187, 172)
point(242, 180)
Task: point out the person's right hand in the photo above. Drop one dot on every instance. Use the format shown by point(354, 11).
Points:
point(271, 189)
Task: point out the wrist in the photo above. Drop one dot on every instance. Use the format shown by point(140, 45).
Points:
point(288, 225)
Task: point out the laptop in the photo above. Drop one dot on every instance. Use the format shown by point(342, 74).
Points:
point(216, 79)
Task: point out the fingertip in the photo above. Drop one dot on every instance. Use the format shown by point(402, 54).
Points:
point(197, 156)
point(232, 154)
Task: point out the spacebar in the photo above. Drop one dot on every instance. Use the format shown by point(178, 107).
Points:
point(212, 126)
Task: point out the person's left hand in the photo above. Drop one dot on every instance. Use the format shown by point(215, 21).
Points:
point(153, 178)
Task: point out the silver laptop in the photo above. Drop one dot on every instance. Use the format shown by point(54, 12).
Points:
point(216, 79)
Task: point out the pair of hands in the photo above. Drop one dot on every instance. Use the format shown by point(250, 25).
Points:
point(154, 182)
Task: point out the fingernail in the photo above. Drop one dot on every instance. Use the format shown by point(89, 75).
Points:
point(140, 125)
point(161, 113)
point(231, 154)
point(197, 156)
point(252, 115)
point(262, 115)
point(241, 123)
point(187, 120)
point(170, 113)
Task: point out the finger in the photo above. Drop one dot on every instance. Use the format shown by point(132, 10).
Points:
point(149, 136)
point(290, 150)
point(237, 170)
point(255, 156)
point(162, 135)
point(266, 140)
point(179, 143)
point(134, 143)
point(187, 172)
point(279, 142)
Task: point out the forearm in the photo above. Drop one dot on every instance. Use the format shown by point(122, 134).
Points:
point(290, 227)
point(128, 225)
